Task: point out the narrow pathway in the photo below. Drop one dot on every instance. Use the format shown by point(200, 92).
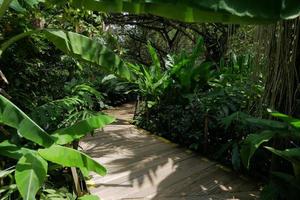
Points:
point(144, 166)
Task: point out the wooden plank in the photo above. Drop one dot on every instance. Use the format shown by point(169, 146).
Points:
point(184, 170)
point(143, 166)
point(144, 169)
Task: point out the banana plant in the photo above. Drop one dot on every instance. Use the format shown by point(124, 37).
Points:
point(33, 163)
point(283, 184)
point(151, 81)
point(80, 47)
point(191, 69)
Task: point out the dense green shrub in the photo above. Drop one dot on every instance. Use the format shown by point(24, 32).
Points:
point(209, 117)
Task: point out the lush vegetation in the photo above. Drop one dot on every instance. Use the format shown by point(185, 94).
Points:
point(226, 91)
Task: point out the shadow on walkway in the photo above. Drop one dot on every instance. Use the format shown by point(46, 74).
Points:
point(144, 166)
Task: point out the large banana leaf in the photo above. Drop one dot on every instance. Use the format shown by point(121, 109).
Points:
point(88, 50)
point(252, 143)
point(80, 129)
point(230, 11)
point(12, 116)
point(82, 47)
point(31, 171)
point(71, 158)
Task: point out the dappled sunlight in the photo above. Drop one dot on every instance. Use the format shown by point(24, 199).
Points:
point(144, 166)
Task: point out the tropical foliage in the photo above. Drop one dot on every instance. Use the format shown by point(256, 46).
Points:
point(32, 160)
point(204, 85)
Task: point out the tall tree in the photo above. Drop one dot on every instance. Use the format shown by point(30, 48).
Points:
point(283, 66)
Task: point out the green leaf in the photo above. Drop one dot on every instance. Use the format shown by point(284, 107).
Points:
point(12, 116)
point(10, 150)
point(16, 6)
point(85, 172)
point(292, 155)
point(71, 158)
point(229, 11)
point(155, 68)
point(89, 197)
point(89, 50)
point(271, 124)
point(31, 171)
point(290, 120)
point(80, 129)
point(251, 144)
point(4, 6)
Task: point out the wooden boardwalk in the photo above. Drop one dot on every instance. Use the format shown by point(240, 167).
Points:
point(144, 166)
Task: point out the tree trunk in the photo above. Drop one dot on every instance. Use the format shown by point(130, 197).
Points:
point(282, 81)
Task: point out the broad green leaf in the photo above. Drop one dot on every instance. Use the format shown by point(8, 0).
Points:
point(31, 171)
point(251, 144)
point(81, 47)
point(292, 121)
point(88, 50)
point(89, 197)
point(229, 11)
point(16, 6)
point(281, 116)
point(271, 124)
point(12, 116)
point(80, 129)
point(10, 150)
point(155, 68)
point(292, 155)
point(71, 158)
